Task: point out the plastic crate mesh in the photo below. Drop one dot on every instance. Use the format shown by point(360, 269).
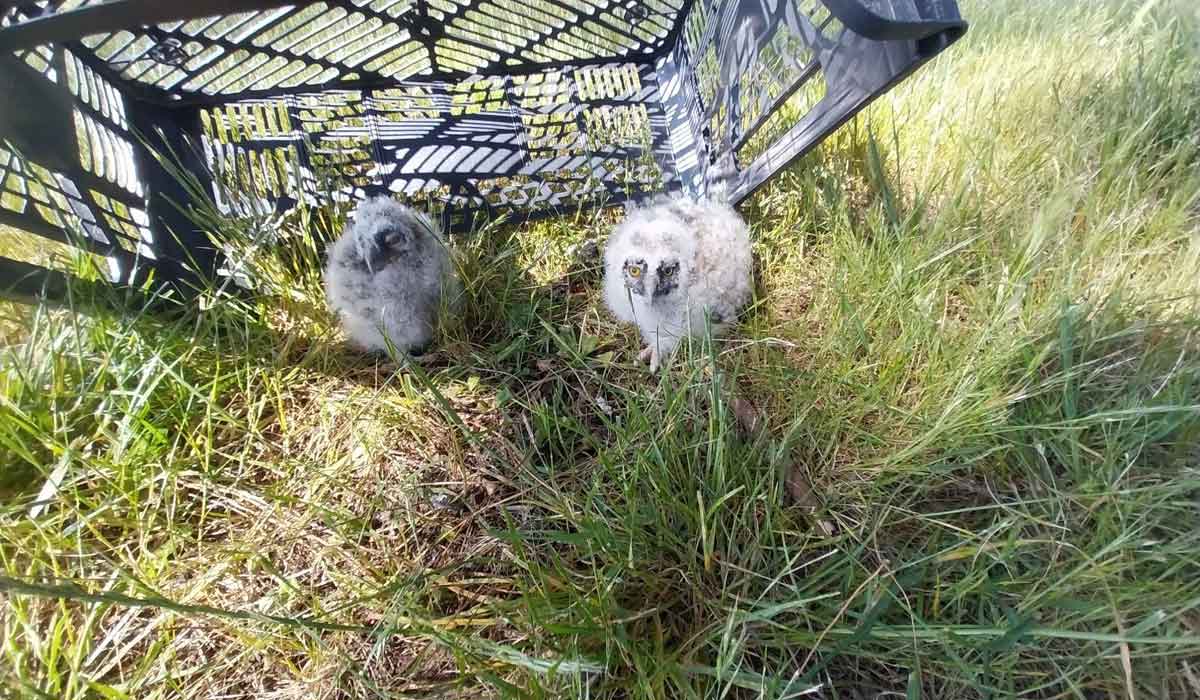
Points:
point(472, 109)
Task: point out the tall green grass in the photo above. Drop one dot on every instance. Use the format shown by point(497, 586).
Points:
point(973, 351)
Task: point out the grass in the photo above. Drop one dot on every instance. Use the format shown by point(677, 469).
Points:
point(973, 353)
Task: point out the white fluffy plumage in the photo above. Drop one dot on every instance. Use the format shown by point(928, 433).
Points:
point(673, 263)
point(386, 276)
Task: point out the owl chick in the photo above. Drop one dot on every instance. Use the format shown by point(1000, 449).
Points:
point(386, 276)
point(673, 263)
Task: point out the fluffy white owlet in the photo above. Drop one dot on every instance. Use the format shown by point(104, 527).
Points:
point(673, 263)
point(386, 276)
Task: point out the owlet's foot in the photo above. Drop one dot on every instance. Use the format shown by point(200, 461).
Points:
point(650, 354)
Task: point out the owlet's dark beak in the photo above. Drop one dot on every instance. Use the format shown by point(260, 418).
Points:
point(387, 239)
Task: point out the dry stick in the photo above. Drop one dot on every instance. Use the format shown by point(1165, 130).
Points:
point(1192, 679)
point(841, 611)
point(1126, 656)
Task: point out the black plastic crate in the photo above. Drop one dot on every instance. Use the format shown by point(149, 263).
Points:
point(471, 108)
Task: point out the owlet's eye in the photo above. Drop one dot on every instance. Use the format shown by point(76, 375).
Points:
point(635, 272)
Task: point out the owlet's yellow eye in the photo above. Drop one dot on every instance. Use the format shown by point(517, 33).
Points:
point(635, 272)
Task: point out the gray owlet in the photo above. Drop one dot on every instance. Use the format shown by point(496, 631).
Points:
point(387, 275)
point(673, 263)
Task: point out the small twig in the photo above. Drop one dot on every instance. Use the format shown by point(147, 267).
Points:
point(841, 611)
point(1191, 677)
